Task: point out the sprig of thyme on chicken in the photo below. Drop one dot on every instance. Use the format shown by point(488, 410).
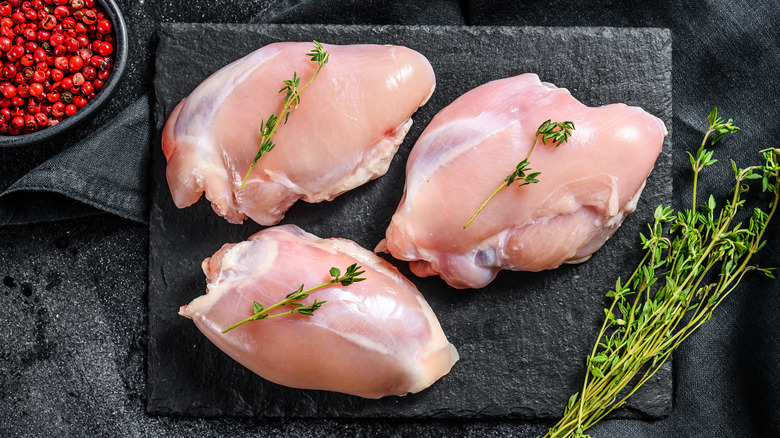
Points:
point(352, 275)
point(558, 132)
point(292, 99)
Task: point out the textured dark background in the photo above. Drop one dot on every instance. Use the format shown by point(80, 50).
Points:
point(521, 359)
point(74, 306)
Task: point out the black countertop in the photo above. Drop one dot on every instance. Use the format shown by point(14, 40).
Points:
point(74, 314)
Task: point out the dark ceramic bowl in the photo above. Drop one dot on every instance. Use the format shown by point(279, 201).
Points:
point(91, 108)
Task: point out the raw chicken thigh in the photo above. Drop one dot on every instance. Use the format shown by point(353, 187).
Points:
point(372, 338)
point(586, 188)
point(345, 132)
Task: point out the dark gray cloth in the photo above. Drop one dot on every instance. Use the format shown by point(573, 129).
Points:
point(725, 53)
point(106, 172)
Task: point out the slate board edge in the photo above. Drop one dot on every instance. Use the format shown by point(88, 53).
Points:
point(589, 30)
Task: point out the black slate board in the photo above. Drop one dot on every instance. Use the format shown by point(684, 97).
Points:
point(521, 360)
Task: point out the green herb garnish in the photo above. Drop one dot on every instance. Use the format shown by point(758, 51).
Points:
point(558, 132)
point(292, 98)
point(260, 312)
point(694, 259)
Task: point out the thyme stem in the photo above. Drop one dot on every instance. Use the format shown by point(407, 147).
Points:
point(498, 189)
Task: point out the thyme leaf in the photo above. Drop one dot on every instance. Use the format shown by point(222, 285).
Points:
point(292, 99)
point(352, 275)
point(693, 260)
point(557, 132)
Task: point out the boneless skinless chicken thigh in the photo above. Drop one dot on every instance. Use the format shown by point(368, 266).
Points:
point(372, 338)
point(586, 188)
point(345, 132)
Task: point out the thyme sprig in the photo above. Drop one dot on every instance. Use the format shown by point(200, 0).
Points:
point(693, 260)
point(352, 275)
point(704, 156)
point(558, 132)
point(292, 99)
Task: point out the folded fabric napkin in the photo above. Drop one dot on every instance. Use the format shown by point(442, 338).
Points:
point(90, 177)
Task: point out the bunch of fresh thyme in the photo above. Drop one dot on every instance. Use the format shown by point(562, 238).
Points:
point(260, 312)
point(292, 98)
point(558, 132)
point(694, 259)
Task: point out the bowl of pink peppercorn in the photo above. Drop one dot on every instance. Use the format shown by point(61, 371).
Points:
point(61, 62)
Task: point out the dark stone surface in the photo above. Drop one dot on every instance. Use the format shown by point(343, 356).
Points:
point(520, 359)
